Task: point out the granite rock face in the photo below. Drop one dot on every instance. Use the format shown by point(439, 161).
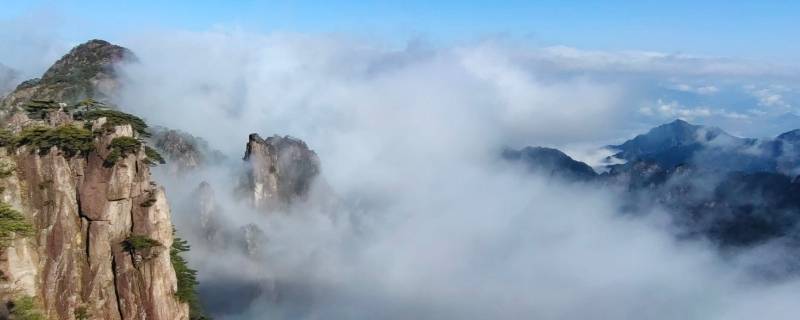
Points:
point(279, 171)
point(184, 152)
point(83, 210)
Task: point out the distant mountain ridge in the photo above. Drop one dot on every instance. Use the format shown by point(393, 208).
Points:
point(551, 162)
point(680, 142)
point(738, 192)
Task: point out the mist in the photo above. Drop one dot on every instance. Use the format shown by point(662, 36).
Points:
point(429, 222)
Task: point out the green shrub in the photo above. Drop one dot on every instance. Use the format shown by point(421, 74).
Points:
point(25, 308)
point(120, 148)
point(139, 243)
point(7, 168)
point(12, 224)
point(70, 139)
point(6, 138)
point(90, 103)
point(82, 313)
point(187, 278)
point(38, 109)
point(118, 118)
point(153, 157)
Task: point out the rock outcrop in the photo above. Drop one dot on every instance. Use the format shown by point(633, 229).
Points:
point(279, 171)
point(203, 204)
point(84, 211)
point(101, 242)
point(87, 71)
point(184, 152)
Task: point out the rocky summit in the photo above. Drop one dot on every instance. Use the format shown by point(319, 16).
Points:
point(85, 233)
point(86, 72)
point(279, 171)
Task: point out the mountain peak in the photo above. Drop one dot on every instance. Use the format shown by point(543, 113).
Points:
point(681, 123)
point(87, 60)
point(280, 170)
point(551, 162)
point(793, 135)
point(86, 71)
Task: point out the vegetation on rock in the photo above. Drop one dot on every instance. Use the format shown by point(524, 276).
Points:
point(187, 278)
point(153, 157)
point(82, 313)
point(120, 148)
point(6, 138)
point(139, 242)
point(38, 109)
point(12, 224)
point(118, 118)
point(7, 168)
point(70, 139)
point(25, 308)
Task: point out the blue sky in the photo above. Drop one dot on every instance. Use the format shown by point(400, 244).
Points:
point(764, 30)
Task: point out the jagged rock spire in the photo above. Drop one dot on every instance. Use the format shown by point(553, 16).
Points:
point(279, 171)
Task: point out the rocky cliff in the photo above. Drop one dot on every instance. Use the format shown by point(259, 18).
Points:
point(184, 152)
point(85, 187)
point(279, 171)
point(88, 234)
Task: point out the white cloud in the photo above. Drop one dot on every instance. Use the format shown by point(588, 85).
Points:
point(431, 227)
point(701, 90)
point(674, 109)
point(771, 97)
point(8, 79)
point(665, 64)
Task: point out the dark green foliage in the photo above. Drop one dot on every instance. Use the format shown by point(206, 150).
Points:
point(6, 138)
point(38, 109)
point(79, 109)
point(12, 224)
point(70, 139)
point(118, 118)
point(153, 157)
point(90, 103)
point(82, 313)
point(25, 308)
point(139, 242)
point(7, 168)
point(121, 147)
point(187, 278)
